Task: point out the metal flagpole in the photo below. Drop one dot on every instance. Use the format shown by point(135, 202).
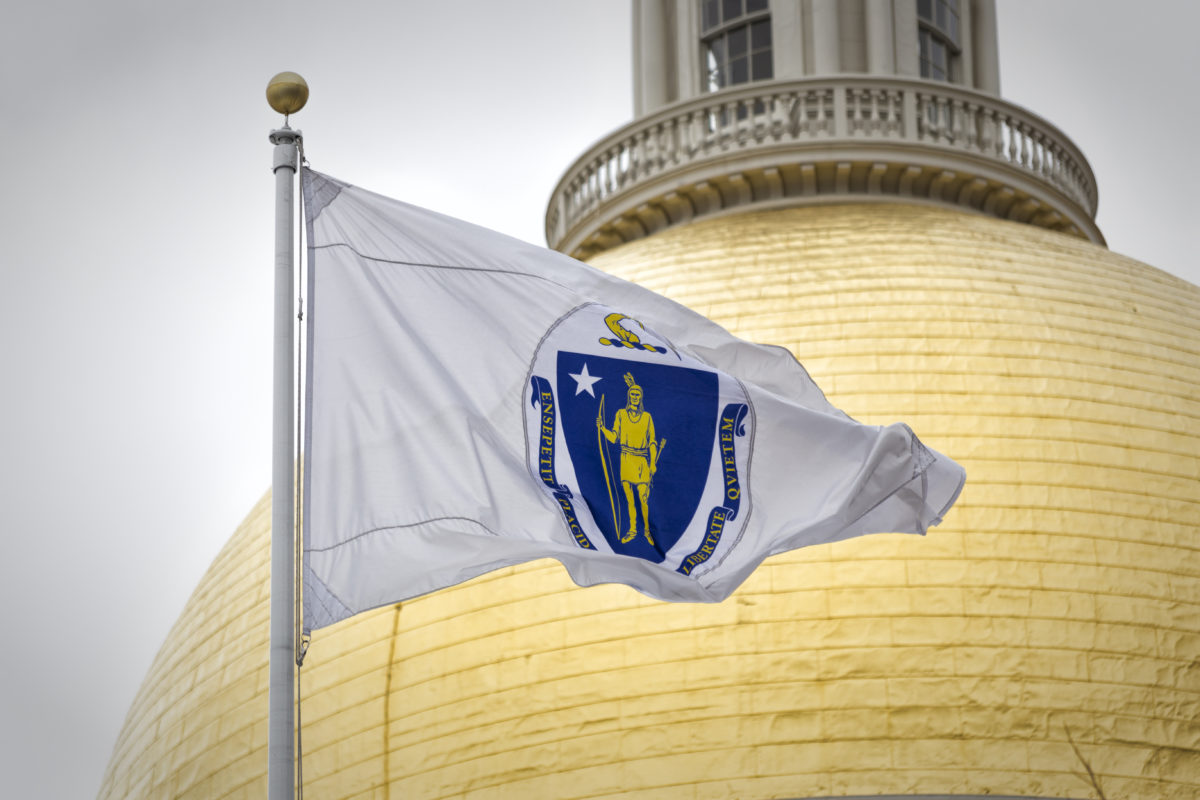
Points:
point(287, 93)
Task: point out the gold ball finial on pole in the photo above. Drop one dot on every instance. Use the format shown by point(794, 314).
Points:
point(287, 93)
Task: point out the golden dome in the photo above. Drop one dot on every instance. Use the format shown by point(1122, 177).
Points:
point(1061, 593)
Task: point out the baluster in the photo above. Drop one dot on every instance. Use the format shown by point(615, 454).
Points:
point(598, 180)
point(936, 116)
point(1056, 168)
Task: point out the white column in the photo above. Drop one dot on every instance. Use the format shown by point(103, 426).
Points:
point(908, 48)
point(787, 39)
point(651, 54)
point(689, 78)
point(825, 41)
point(881, 36)
point(964, 73)
point(985, 50)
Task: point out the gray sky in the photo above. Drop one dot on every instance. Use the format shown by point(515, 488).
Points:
point(137, 260)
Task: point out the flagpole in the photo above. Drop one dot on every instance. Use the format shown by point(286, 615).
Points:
point(287, 92)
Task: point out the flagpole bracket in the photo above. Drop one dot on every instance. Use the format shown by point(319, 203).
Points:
point(286, 140)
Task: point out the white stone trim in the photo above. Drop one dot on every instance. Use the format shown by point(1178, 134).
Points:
point(839, 138)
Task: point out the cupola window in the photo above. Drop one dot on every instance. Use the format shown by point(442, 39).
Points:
point(938, 34)
point(735, 42)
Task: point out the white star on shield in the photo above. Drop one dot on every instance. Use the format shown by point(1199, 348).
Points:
point(584, 381)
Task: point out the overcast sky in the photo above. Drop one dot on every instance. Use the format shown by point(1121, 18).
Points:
point(137, 260)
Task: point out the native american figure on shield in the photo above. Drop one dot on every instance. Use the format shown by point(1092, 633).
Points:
point(633, 430)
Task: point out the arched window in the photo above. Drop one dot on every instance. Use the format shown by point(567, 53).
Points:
point(735, 42)
point(938, 25)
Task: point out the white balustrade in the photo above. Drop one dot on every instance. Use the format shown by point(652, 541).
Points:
point(768, 117)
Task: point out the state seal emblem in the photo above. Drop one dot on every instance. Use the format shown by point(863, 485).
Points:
point(645, 450)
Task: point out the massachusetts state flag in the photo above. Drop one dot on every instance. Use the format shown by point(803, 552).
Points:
point(475, 402)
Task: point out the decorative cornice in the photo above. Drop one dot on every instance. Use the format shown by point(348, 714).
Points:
point(822, 140)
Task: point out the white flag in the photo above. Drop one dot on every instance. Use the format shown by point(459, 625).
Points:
point(475, 401)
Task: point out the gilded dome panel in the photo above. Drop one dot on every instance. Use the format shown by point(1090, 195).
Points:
point(1062, 592)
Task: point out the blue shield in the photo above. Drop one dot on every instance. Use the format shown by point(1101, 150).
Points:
point(682, 404)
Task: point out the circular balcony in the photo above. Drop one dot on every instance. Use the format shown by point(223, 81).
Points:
point(841, 139)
